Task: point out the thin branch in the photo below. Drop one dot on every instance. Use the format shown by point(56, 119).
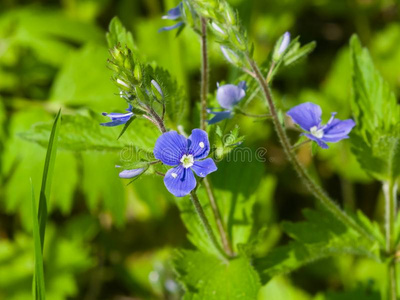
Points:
point(315, 189)
point(204, 74)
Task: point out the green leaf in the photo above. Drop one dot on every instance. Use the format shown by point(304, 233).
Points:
point(48, 175)
point(376, 138)
point(205, 276)
point(117, 34)
point(38, 286)
point(320, 236)
point(84, 132)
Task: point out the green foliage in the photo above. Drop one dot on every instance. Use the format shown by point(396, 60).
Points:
point(320, 236)
point(206, 277)
point(376, 138)
point(82, 132)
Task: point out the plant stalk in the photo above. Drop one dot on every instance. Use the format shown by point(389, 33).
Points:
point(200, 212)
point(218, 219)
point(203, 119)
point(390, 192)
point(316, 190)
point(204, 74)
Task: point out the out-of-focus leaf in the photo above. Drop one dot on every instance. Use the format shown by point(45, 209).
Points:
point(204, 276)
point(318, 237)
point(49, 33)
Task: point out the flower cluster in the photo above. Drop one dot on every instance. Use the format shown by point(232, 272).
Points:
point(308, 117)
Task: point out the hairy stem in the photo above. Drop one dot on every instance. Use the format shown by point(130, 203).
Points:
point(390, 192)
point(315, 189)
point(204, 74)
point(204, 221)
point(218, 219)
point(203, 118)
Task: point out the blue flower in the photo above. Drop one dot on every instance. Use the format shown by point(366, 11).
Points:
point(308, 117)
point(228, 96)
point(118, 118)
point(186, 156)
point(173, 14)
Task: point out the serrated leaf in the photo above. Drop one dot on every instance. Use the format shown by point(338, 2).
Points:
point(320, 236)
point(376, 138)
point(204, 276)
point(84, 132)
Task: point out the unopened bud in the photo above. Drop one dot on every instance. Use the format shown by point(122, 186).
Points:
point(156, 89)
point(218, 31)
point(281, 46)
point(138, 73)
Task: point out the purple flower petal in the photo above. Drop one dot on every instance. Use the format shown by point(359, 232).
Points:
point(338, 130)
point(174, 13)
point(199, 145)
point(168, 28)
point(131, 173)
point(319, 141)
point(170, 147)
point(180, 181)
point(219, 116)
point(117, 118)
point(229, 95)
point(306, 115)
point(204, 167)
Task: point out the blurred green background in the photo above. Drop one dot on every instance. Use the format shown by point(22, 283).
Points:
point(109, 240)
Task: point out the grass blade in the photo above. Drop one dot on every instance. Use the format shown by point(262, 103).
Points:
point(38, 287)
point(47, 176)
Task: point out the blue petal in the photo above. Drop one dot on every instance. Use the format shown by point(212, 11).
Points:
point(219, 116)
point(199, 146)
point(168, 28)
point(174, 13)
point(131, 173)
point(170, 147)
point(180, 181)
point(204, 167)
point(319, 141)
point(306, 115)
point(229, 95)
point(117, 118)
point(338, 130)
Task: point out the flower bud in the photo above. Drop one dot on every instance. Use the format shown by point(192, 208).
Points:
point(230, 14)
point(156, 89)
point(137, 73)
point(230, 56)
point(117, 55)
point(218, 31)
point(281, 46)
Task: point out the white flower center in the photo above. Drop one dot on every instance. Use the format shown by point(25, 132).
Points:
point(174, 175)
point(318, 133)
point(187, 161)
point(201, 144)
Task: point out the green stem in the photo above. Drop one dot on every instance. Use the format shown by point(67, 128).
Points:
point(204, 74)
point(315, 189)
point(218, 219)
point(390, 192)
point(204, 221)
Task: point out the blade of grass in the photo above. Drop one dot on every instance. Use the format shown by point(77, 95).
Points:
point(47, 176)
point(38, 287)
point(40, 217)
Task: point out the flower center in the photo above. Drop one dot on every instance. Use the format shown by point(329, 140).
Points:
point(187, 161)
point(318, 133)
